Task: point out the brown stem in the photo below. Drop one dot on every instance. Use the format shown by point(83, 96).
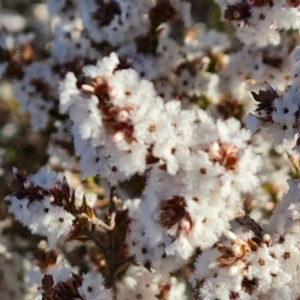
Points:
point(123, 262)
point(294, 162)
point(108, 252)
point(111, 263)
point(248, 222)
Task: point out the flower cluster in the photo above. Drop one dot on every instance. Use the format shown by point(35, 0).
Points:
point(277, 114)
point(259, 21)
point(257, 267)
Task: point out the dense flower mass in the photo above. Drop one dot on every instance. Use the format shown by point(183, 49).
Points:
point(259, 21)
point(268, 266)
point(172, 151)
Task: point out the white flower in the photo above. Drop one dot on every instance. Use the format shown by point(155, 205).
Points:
point(92, 287)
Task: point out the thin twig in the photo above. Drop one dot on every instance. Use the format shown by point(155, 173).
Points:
point(112, 216)
point(112, 196)
point(294, 162)
point(248, 222)
point(123, 262)
point(96, 242)
point(99, 223)
point(108, 252)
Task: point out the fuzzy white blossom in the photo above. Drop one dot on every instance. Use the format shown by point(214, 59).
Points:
point(36, 209)
point(251, 270)
point(277, 115)
point(205, 164)
point(92, 287)
point(139, 283)
point(259, 22)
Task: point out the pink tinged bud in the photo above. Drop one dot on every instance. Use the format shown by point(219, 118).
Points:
point(267, 240)
point(273, 26)
point(87, 88)
point(122, 116)
point(112, 92)
point(240, 24)
point(214, 149)
point(26, 184)
point(269, 206)
point(185, 225)
point(236, 15)
point(118, 137)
